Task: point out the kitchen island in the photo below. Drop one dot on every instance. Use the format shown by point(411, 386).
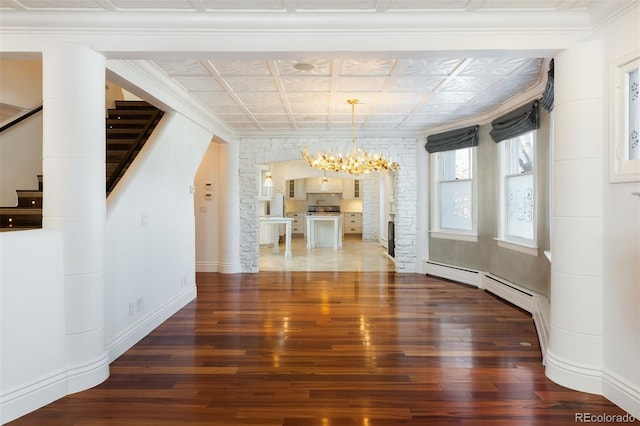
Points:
point(324, 230)
point(276, 222)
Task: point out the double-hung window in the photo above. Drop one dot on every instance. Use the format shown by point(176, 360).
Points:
point(517, 226)
point(453, 204)
point(455, 190)
point(625, 119)
point(515, 134)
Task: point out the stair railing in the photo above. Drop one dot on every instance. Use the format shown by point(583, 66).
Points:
point(111, 183)
point(21, 118)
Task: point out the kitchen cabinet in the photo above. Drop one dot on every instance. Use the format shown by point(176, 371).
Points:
point(297, 226)
point(352, 223)
point(351, 189)
point(296, 189)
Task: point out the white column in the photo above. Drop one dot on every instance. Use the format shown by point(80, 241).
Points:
point(74, 199)
point(575, 354)
point(229, 208)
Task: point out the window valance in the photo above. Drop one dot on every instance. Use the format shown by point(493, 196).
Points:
point(453, 139)
point(516, 122)
point(547, 97)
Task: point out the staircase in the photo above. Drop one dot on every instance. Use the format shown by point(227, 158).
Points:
point(27, 214)
point(128, 127)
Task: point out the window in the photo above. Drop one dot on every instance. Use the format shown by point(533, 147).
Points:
point(517, 227)
point(625, 119)
point(453, 214)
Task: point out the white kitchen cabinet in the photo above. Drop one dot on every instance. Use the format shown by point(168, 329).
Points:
point(352, 223)
point(351, 189)
point(297, 226)
point(296, 189)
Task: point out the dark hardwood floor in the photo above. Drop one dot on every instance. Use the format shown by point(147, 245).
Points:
point(331, 349)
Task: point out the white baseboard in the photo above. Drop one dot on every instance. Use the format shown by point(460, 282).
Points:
point(583, 378)
point(454, 273)
point(207, 266)
point(622, 393)
point(88, 374)
point(134, 333)
point(542, 319)
point(222, 267)
point(31, 396)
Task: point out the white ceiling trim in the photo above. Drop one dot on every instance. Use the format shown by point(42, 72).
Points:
point(417, 66)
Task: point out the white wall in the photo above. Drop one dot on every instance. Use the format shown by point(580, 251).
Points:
point(32, 321)
point(21, 145)
point(621, 269)
point(206, 211)
point(150, 247)
point(21, 83)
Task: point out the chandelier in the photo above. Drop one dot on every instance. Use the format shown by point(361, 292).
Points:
point(356, 161)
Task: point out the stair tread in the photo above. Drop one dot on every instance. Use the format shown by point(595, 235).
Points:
point(20, 210)
point(124, 130)
point(132, 104)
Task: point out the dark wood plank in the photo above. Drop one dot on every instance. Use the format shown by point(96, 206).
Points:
point(334, 348)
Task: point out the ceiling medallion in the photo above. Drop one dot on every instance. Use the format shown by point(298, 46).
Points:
point(355, 162)
point(304, 66)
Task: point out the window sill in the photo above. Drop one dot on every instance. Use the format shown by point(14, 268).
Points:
point(522, 248)
point(473, 238)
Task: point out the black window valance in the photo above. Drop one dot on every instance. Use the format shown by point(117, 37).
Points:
point(547, 97)
point(516, 122)
point(453, 139)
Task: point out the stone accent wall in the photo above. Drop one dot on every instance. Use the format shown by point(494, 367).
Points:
point(256, 151)
point(406, 190)
point(371, 207)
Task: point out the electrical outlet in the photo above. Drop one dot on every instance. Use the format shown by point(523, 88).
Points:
point(139, 304)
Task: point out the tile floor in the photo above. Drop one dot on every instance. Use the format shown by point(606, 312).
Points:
point(355, 255)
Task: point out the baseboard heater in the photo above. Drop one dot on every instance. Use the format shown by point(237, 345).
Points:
point(454, 273)
point(510, 292)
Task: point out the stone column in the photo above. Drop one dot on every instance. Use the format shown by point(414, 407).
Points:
point(229, 208)
point(575, 353)
point(74, 199)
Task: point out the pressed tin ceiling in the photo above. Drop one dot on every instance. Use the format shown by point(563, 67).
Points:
point(402, 94)
point(308, 93)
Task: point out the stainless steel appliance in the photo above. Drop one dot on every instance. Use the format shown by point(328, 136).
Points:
point(323, 210)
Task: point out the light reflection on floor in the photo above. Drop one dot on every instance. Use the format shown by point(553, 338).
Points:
point(355, 255)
